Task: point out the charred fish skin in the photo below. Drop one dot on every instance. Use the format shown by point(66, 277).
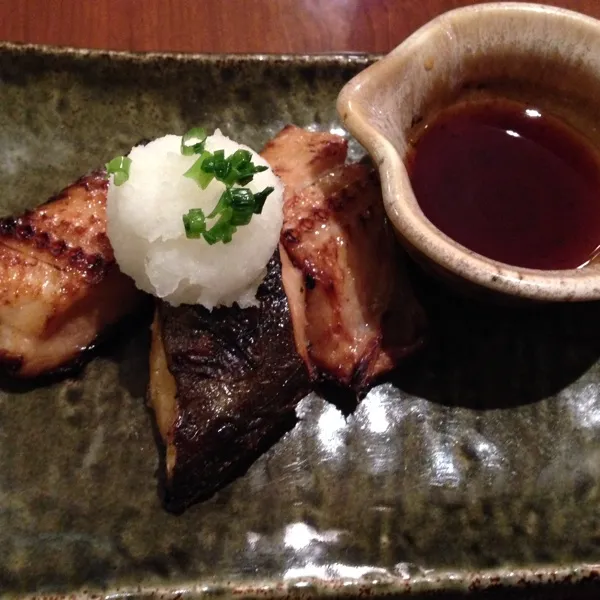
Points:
point(61, 291)
point(238, 379)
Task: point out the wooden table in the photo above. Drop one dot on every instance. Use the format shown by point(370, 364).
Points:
point(277, 26)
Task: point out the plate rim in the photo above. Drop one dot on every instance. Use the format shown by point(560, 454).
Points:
point(379, 583)
point(144, 57)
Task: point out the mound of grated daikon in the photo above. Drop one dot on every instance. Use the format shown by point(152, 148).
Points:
point(145, 228)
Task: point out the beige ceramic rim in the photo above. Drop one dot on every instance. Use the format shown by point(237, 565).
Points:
point(414, 229)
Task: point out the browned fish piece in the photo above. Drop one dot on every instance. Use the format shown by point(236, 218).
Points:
point(353, 309)
point(361, 316)
point(224, 384)
point(60, 287)
point(298, 157)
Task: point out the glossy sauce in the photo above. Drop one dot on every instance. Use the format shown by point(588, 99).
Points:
point(510, 183)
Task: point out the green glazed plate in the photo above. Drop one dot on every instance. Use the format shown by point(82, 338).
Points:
point(477, 469)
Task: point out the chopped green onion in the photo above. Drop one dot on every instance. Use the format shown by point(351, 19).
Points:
point(222, 169)
point(241, 156)
point(237, 204)
point(249, 173)
point(222, 230)
point(211, 237)
point(192, 142)
point(232, 177)
point(237, 168)
point(223, 203)
point(241, 217)
point(260, 198)
point(242, 198)
point(119, 168)
point(198, 173)
point(235, 208)
point(228, 234)
point(225, 216)
point(194, 223)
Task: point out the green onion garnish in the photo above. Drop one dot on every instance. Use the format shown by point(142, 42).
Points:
point(192, 141)
point(242, 198)
point(235, 169)
point(235, 208)
point(194, 223)
point(222, 205)
point(119, 167)
point(259, 199)
point(198, 174)
point(237, 205)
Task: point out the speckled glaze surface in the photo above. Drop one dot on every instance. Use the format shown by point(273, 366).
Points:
point(544, 56)
point(476, 468)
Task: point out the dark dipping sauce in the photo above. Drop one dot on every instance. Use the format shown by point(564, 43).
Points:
point(509, 182)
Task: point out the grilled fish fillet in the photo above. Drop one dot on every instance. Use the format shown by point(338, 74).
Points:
point(224, 384)
point(353, 309)
point(298, 158)
point(60, 287)
point(361, 317)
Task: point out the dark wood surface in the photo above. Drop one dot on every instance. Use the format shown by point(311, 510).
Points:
point(276, 26)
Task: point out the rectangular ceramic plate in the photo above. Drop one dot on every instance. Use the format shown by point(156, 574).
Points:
point(478, 466)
